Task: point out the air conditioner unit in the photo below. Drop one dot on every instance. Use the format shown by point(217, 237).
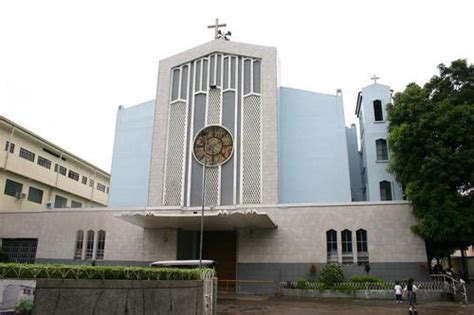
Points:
point(20, 195)
point(49, 205)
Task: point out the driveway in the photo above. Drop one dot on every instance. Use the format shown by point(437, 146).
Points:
point(241, 304)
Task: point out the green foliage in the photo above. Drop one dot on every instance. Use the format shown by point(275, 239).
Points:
point(364, 279)
point(331, 274)
point(302, 284)
point(24, 306)
point(431, 137)
point(34, 271)
point(3, 257)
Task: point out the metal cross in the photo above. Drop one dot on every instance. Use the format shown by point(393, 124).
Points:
point(375, 78)
point(216, 26)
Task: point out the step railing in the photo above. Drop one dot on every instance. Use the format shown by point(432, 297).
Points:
point(451, 285)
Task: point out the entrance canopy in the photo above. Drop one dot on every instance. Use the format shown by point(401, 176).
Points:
point(215, 220)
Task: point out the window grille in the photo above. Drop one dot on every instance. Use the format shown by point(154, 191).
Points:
point(331, 245)
point(99, 254)
point(44, 162)
point(382, 151)
point(10, 147)
point(35, 195)
point(79, 244)
point(346, 238)
point(76, 204)
point(385, 190)
point(60, 202)
point(362, 248)
point(20, 250)
point(73, 175)
point(101, 187)
point(12, 188)
point(27, 155)
point(89, 244)
point(251, 146)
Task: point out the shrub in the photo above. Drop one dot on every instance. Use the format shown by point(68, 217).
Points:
point(24, 306)
point(35, 271)
point(363, 279)
point(302, 284)
point(3, 257)
point(331, 274)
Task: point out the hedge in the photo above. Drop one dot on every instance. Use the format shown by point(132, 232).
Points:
point(55, 271)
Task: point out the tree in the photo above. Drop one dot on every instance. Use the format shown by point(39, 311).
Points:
point(431, 136)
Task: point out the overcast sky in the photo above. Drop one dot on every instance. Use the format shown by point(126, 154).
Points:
point(66, 66)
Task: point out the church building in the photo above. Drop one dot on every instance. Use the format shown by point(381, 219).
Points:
point(283, 185)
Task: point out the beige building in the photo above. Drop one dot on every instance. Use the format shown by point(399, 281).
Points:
point(35, 173)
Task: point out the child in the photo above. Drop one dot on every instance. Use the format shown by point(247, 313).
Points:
point(411, 291)
point(398, 292)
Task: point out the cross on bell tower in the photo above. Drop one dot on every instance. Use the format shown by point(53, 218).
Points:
point(216, 28)
point(375, 78)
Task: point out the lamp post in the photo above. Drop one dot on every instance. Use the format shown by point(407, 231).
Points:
point(203, 200)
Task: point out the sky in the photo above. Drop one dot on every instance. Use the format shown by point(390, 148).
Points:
point(66, 66)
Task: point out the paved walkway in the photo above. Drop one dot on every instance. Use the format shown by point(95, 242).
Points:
point(247, 305)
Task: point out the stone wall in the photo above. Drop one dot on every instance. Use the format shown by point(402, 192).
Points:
point(124, 297)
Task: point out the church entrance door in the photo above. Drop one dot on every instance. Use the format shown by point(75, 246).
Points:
point(220, 246)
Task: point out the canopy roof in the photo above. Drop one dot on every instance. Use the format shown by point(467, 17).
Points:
point(215, 220)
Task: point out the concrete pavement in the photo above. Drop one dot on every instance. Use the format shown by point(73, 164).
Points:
point(241, 304)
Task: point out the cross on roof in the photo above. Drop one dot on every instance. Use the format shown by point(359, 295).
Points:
point(375, 78)
point(216, 27)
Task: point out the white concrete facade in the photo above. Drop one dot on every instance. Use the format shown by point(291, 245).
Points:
point(269, 113)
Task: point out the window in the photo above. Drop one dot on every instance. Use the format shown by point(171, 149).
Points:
point(362, 250)
point(20, 250)
point(84, 180)
point(79, 244)
point(62, 169)
point(331, 242)
point(10, 147)
point(90, 244)
point(378, 114)
point(100, 187)
point(44, 162)
point(27, 155)
point(385, 190)
point(35, 195)
point(91, 183)
point(346, 237)
point(76, 204)
point(382, 152)
point(108, 189)
point(13, 188)
point(99, 254)
point(60, 202)
point(73, 175)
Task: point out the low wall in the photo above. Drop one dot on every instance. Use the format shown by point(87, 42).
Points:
point(425, 295)
point(125, 297)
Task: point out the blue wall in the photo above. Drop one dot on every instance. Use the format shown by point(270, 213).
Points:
point(131, 156)
point(312, 148)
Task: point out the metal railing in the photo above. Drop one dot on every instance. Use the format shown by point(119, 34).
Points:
point(451, 285)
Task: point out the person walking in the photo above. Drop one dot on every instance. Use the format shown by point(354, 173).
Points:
point(411, 289)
